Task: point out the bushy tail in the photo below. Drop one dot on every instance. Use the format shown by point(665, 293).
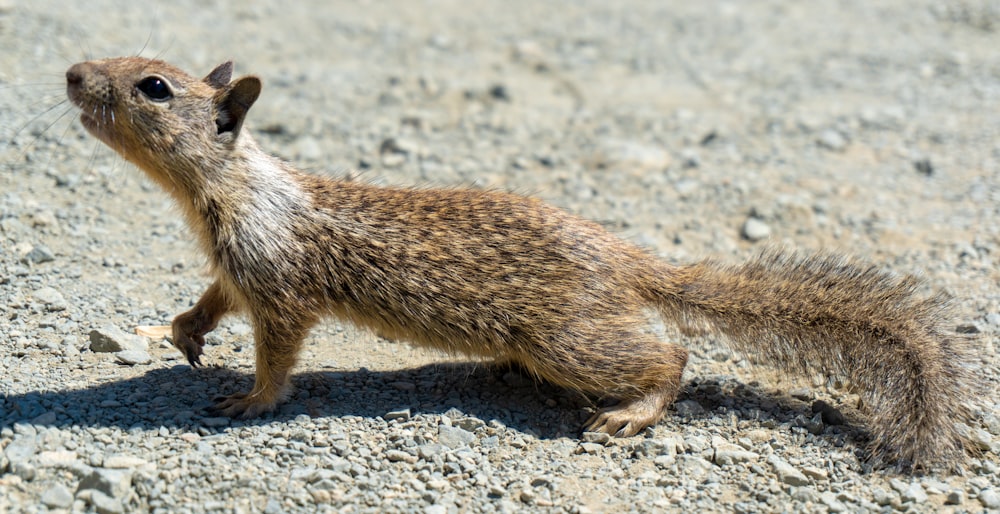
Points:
point(836, 315)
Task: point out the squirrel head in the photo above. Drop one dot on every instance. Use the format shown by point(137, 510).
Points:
point(159, 117)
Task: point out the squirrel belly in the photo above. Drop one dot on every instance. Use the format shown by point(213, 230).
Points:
point(504, 276)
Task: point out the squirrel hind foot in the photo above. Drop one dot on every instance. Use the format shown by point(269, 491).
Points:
point(629, 417)
point(242, 406)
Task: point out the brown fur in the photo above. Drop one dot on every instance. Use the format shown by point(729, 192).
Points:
point(503, 276)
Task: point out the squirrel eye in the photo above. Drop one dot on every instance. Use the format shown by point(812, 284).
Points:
point(155, 88)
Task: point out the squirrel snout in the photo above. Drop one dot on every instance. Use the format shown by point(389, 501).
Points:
point(84, 80)
point(74, 75)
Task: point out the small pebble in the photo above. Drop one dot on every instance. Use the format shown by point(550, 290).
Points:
point(133, 357)
point(832, 140)
point(755, 230)
point(596, 437)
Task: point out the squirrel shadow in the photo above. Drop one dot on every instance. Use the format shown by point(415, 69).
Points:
point(180, 397)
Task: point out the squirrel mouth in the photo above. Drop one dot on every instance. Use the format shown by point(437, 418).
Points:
point(96, 125)
point(90, 122)
point(88, 113)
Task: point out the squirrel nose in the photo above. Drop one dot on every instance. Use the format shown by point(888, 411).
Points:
point(74, 75)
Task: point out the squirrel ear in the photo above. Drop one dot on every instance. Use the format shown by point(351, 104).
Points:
point(233, 103)
point(220, 76)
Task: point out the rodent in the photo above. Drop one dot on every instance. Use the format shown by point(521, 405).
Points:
point(503, 276)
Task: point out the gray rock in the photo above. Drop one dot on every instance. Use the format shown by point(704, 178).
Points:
point(105, 504)
point(115, 483)
point(665, 461)
point(787, 473)
point(45, 418)
point(981, 438)
point(881, 496)
point(111, 339)
point(731, 456)
point(815, 473)
point(989, 498)
point(53, 459)
point(693, 467)
point(652, 448)
point(829, 414)
point(801, 393)
point(57, 497)
point(273, 506)
point(429, 451)
point(51, 298)
point(400, 456)
point(24, 469)
point(401, 415)
point(696, 443)
point(469, 423)
point(216, 421)
point(914, 493)
point(19, 454)
point(38, 255)
point(688, 408)
point(123, 462)
point(815, 424)
point(803, 494)
point(454, 437)
point(25, 429)
point(21, 448)
point(832, 503)
point(133, 357)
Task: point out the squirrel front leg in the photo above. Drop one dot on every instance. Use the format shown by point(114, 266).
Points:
point(278, 337)
point(189, 328)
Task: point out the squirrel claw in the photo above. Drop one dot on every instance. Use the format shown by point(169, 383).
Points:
point(604, 421)
point(628, 417)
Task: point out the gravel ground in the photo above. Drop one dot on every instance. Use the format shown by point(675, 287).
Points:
point(697, 129)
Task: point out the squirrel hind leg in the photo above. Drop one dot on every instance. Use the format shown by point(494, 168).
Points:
point(646, 380)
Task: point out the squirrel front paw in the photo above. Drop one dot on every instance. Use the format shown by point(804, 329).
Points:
point(189, 337)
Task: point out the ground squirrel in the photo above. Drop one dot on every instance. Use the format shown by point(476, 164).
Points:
point(504, 276)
